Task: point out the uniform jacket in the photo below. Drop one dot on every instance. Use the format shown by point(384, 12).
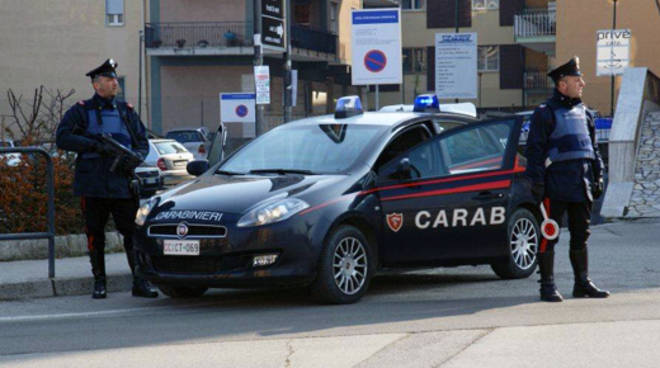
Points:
point(572, 180)
point(92, 176)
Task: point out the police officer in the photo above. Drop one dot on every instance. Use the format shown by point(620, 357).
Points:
point(565, 168)
point(104, 191)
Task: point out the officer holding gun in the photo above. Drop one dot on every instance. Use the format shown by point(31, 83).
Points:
point(105, 174)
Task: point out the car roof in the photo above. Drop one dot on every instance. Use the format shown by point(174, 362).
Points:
point(160, 140)
point(378, 118)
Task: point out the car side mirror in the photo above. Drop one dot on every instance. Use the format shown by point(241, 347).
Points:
point(403, 168)
point(197, 167)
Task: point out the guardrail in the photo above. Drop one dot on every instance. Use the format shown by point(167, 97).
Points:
point(50, 234)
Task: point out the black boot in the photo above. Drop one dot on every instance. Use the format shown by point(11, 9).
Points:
point(583, 287)
point(99, 289)
point(143, 288)
point(549, 292)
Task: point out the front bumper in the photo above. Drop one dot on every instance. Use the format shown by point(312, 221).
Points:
point(227, 261)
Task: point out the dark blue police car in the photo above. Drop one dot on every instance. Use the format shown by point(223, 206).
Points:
point(328, 201)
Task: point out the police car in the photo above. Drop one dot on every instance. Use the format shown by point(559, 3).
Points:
point(328, 201)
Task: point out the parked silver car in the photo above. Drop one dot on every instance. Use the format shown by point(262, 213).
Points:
point(171, 157)
point(196, 140)
point(150, 180)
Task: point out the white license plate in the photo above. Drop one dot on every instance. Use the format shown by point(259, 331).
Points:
point(151, 181)
point(181, 247)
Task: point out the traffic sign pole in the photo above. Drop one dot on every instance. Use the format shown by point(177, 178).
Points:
point(288, 87)
point(258, 61)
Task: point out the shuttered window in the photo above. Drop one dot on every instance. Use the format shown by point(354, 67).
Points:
point(441, 13)
point(114, 12)
point(508, 9)
point(512, 63)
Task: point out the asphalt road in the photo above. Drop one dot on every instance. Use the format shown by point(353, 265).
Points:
point(454, 317)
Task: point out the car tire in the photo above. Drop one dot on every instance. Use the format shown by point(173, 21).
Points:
point(345, 267)
point(523, 240)
point(183, 291)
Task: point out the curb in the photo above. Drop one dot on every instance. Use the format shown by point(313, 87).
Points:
point(72, 245)
point(62, 287)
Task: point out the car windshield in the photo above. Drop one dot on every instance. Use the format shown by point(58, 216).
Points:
point(185, 136)
point(164, 148)
point(326, 148)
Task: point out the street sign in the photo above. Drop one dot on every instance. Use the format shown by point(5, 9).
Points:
point(273, 26)
point(376, 46)
point(612, 51)
point(375, 61)
point(237, 113)
point(262, 84)
point(456, 65)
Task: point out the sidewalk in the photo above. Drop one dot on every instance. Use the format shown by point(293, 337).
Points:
point(73, 276)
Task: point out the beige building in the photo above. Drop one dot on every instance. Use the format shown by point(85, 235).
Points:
point(577, 23)
point(54, 43)
point(199, 49)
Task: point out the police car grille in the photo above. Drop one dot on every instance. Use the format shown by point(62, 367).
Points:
point(198, 265)
point(169, 230)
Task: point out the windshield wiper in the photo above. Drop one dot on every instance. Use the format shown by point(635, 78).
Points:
point(225, 172)
point(282, 171)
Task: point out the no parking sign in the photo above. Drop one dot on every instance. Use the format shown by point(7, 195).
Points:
point(376, 46)
point(237, 107)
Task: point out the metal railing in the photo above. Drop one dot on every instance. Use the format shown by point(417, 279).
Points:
point(229, 34)
point(534, 23)
point(198, 34)
point(50, 234)
point(537, 79)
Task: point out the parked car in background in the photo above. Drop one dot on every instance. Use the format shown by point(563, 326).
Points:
point(12, 159)
point(196, 140)
point(171, 157)
point(150, 180)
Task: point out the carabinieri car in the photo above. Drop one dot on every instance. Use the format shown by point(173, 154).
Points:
point(328, 201)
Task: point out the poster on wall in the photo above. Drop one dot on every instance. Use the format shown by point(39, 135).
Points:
point(376, 46)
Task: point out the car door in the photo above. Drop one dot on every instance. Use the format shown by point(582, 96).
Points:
point(453, 205)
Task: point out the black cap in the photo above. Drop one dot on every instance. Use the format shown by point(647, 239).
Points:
point(107, 69)
point(572, 67)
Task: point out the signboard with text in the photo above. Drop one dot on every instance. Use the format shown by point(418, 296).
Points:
point(456, 65)
point(273, 26)
point(262, 84)
point(376, 46)
point(612, 51)
point(239, 108)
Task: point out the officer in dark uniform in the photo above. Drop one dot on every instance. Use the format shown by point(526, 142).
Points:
point(565, 167)
point(104, 191)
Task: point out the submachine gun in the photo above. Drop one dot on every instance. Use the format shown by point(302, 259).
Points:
point(122, 155)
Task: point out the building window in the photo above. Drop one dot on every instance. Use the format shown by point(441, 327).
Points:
point(114, 12)
point(334, 9)
point(485, 4)
point(414, 60)
point(489, 58)
point(412, 4)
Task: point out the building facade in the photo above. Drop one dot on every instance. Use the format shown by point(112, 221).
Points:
point(54, 43)
point(199, 49)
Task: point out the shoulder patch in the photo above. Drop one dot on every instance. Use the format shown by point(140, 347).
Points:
point(81, 102)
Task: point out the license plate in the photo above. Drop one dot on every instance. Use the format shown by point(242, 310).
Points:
point(181, 247)
point(151, 181)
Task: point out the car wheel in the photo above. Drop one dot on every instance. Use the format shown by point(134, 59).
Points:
point(523, 237)
point(345, 267)
point(183, 291)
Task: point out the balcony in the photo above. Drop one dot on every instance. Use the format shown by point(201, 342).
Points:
point(536, 29)
point(537, 80)
point(199, 38)
point(231, 38)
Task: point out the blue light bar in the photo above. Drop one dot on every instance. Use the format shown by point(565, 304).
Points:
point(348, 106)
point(425, 103)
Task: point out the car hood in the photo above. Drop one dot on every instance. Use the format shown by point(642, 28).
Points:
point(234, 195)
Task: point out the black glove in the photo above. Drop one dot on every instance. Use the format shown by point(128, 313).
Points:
point(127, 165)
point(103, 149)
point(597, 188)
point(538, 190)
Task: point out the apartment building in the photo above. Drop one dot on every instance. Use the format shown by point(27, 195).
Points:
point(197, 49)
point(54, 43)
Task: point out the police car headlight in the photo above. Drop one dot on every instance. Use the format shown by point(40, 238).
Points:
point(272, 212)
point(144, 210)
